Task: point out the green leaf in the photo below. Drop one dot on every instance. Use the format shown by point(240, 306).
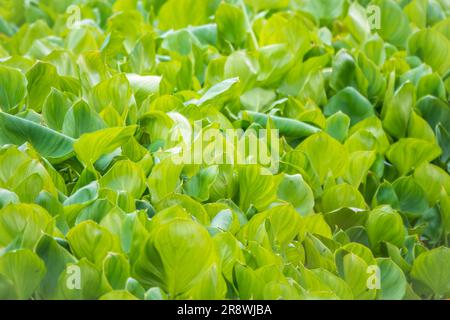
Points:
point(393, 281)
point(231, 25)
point(395, 33)
point(219, 93)
point(55, 258)
point(432, 47)
point(432, 268)
point(374, 77)
point(295, 190)
point(336, 284)
point(342, 196)
point(397, 110)
point(357, 22)
point(359, 165)
point(346, 218)
point(81, 119)
point(445, 214)
point(284, 224)
point(248, 283)
point(417, 12)
point(385, 224)
point(192, 207)
point(316, 224)
point(267, 4)
point(178, 41)
point(117, 270)
point(433, 180)
point(368, 135)
point(26, 222)
point(353, 270)
point(176, 14)
point(125, 176)
point(410, 153)
point(52, 145)
point(431, 84)
point(443, 138)
point(55, 108)
point(13, 11)
point(177, 253)
point(115, 92)
point(324, 9)
point(143, 86)
point(257, 99)
point(226, 220)
point(435, 111)
point(7, 197)
point(91, 146)
point(419, 128)
point(274, 62)
point(346, 73)
point(41, 78)
point(360, 250)
point(256, 188)
point(319, 145)
point(224, 185)
point(25, 271)
point(7, 290)
point(211, 286)
point(83, 195)
point(350, 102)
point(155, 294)
point(242, 66)
point(199, 185)
point(91, 241)
point(338, 126)
point(27, 174)
point(164, 179)
point(412, 198)
point(81, 281)
point(396, 256)
point(13, 88)
point(286, 126)
point(229, 253)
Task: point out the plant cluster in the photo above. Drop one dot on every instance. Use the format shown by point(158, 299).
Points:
point(97, 96)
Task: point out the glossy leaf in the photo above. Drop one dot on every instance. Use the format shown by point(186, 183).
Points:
point(52, 145)
point(13, 86)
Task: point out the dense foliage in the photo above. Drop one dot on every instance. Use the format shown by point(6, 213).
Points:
point(93, 205)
